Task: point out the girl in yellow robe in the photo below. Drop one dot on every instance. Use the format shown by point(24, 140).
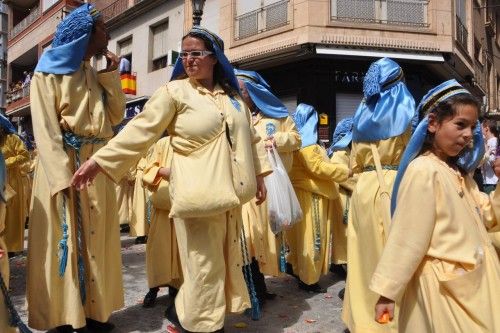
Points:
point(313, 177)
point(16, 157)
point(162, 254)
point(272, 122)
point(439, 260)
point(382, 127)
point(212, 136)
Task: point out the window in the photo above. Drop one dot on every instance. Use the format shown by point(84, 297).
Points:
point(160, 47)
point(398, 12)
point(46, 4)
point(254, 17)
point(461, 19)
point(478, 51)
point(125, 53)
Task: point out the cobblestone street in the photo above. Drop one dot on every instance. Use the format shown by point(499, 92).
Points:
point(293, 311)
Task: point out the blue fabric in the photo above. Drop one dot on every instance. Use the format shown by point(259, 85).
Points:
point(387, 108)
point(7, 125)
point(260, 93)
point(306, 120)
point(218, 46)
point(342, 136)
point(70, 42)
point(468, 160)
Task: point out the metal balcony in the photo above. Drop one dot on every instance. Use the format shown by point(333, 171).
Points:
point(34, 14)
point(462, 33)
point(115, 9)
point(263, 19)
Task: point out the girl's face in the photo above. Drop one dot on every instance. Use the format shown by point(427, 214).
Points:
point(454, 133)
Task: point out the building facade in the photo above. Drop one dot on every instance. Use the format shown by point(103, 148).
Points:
point(317, 51)
point(3, 55)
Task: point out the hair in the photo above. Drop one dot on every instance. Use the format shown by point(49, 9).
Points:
point(491, 124)
point(218, 72)
point(448, 109)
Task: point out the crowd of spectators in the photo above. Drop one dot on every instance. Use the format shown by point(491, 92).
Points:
point(19, 89)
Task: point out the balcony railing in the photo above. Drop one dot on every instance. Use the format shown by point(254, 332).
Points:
point(34, 14)
point(396, 12)
point(462, 33)
point(17, 94)
point(263, 19)
point(115, 9)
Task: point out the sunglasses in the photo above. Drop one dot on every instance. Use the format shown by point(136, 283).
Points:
point(194, 54)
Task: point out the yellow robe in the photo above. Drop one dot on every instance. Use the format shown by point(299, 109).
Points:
point(4, 270)
point(365, 232)
point(262, 243)
point(339, 208)
point(86, 103)
point(447, 272)
point(162, 253)
point(16, 156)
point(313, 177)
point(139, 225)
point(193, 116)
point(124, 194)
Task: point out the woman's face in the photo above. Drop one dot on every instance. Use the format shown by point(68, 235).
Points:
point(99, 38)
point(198, 68)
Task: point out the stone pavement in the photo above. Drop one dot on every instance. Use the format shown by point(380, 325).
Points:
point(293, 311)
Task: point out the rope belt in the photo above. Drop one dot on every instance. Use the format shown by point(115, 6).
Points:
point(255, 311)
point(14, 319)
point(384, 167)
point(75, 142)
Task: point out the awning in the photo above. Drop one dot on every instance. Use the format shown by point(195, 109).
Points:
point(432, 57)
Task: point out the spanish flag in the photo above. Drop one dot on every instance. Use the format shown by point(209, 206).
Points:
point(129, 83)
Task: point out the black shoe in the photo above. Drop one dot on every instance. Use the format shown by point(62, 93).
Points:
point(64, 329)
point(172, 292)
point(341, 293)
point(339, 271)
point(141, 240)
point(124, 228)
point(82, 330)
point(150, 298)
point(312, 288)
point(98, 326)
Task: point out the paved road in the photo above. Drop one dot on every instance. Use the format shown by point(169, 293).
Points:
point(293, 311)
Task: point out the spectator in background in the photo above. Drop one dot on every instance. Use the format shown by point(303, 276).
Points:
point(490, 133)
point(27, 79)
point(124, 67)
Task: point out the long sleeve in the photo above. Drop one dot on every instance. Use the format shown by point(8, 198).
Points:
point(490, 207)
point(261, 163)
point(415, 216)
point(139, 134)
point(316, 164)
point(48, 136)
point(288, 138)
point(18, 154)
point(115, 98)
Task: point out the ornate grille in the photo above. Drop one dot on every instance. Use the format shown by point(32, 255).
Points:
point(399, 12)
point(263, 19)
point(462, 33)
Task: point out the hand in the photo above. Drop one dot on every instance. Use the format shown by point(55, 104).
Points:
point(496, 166)
point(164, 173)
point(85, 174)
point(383, 305)
point(261, 190)
point(112, 61)
point(270, 142)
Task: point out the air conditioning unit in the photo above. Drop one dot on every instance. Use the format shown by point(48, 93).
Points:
point(172, 57)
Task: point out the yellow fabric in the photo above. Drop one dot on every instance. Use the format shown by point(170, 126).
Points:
point(262, 243)
point(162, 254)
point(313, 177)
point(211, 287)
point(339, 207)
point(16, 156)
point(124, 194)
point(86, 103)
point(138, 223)
point(365, 233)
point(4, 271)
point(448, 269)
point(193, 116)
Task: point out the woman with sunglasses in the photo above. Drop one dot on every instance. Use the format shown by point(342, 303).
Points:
point(218, 164)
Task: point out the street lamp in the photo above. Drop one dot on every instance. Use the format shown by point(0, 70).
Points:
point(197, 11)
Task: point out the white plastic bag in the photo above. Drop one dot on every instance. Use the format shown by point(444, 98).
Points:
point(283, 206)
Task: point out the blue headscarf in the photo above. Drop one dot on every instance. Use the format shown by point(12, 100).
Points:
point(306, 120)
point(218, 46)
point(387, 108)
point(260, 93)
point(70, 42)
point(342, 136)
point(468, 159)
point(7, 125)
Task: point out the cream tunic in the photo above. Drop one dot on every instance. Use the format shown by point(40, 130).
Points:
point(139, 225)
point(124, 194)
point(4, 270)
point(262, 244)
point(313, 177)
point(87, 104)
point(162, 254)
point(193, 116)
point(447, 272)
point(16, 157)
